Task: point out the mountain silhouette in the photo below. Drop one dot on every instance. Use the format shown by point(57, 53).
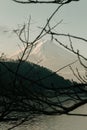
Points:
point(53, 56)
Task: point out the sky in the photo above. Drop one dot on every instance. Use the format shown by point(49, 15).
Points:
point(12, 15)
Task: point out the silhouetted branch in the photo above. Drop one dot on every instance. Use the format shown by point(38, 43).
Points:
point(33, 95)
point(44, 1)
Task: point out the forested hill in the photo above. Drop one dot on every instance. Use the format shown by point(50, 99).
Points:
point(29, 76)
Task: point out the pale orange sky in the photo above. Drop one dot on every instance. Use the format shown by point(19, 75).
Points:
point(13, 14)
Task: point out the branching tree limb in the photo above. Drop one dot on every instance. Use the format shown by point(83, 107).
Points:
point(32, 96)
point(44, 1)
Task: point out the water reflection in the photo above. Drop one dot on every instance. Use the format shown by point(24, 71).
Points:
point(63, 122)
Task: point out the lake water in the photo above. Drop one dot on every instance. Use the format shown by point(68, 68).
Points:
point(63, 122)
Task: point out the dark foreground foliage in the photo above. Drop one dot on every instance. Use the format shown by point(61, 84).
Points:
point(36, 90)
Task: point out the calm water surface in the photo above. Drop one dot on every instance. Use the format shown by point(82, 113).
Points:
point(63, 122)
